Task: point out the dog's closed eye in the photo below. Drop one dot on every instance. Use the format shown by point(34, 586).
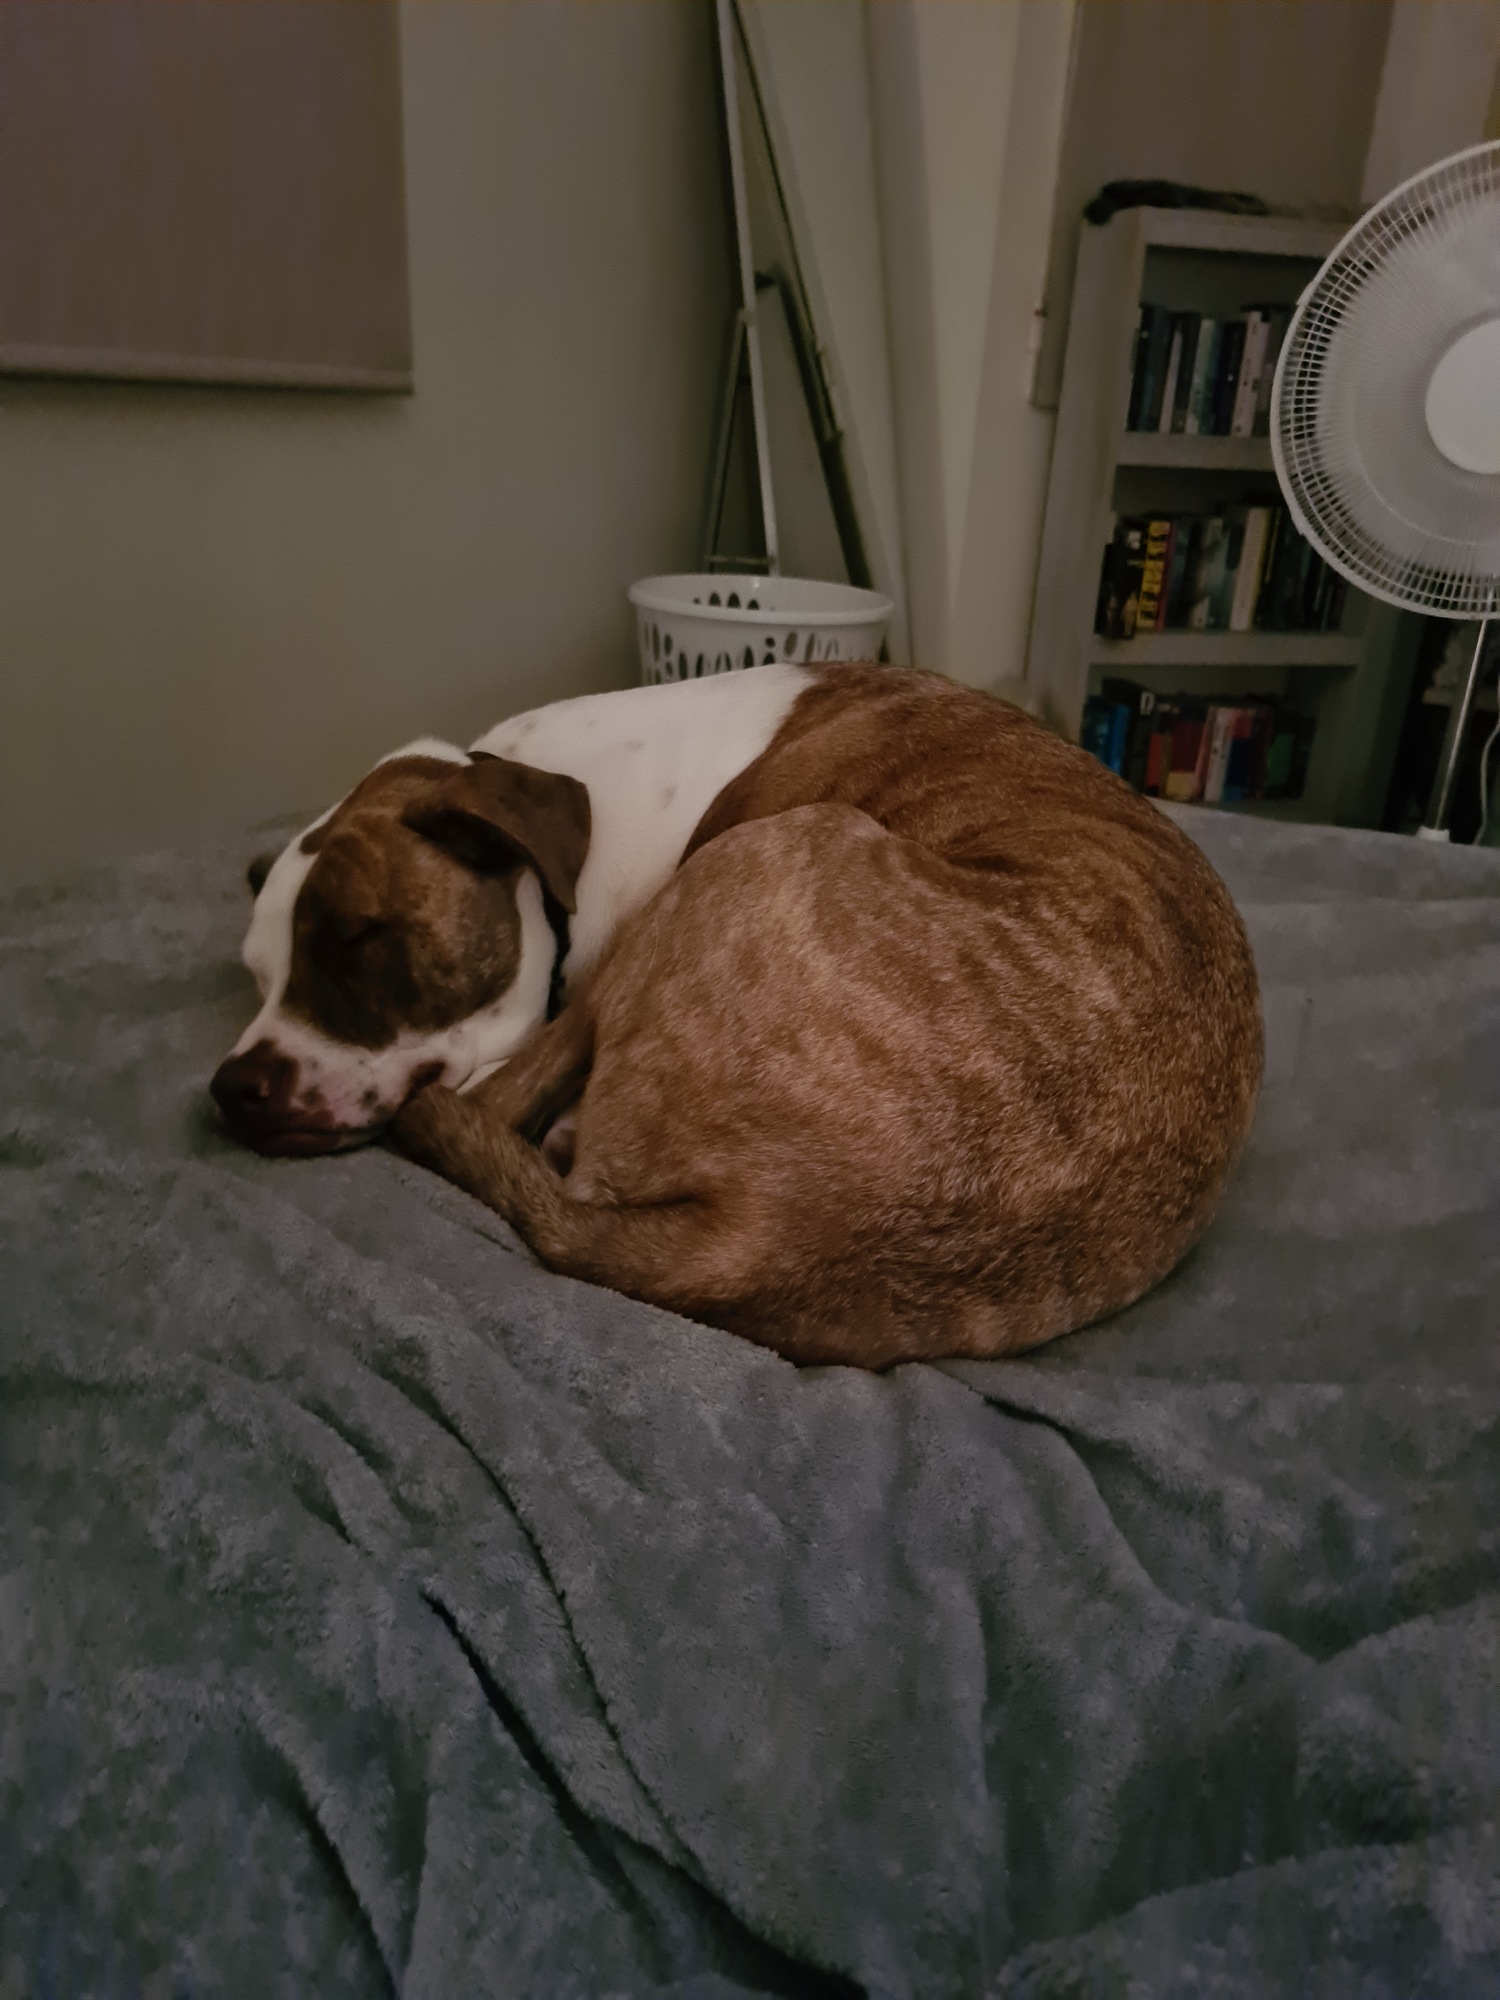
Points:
point(352, 930)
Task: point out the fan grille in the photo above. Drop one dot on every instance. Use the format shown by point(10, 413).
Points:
point(1359, 469)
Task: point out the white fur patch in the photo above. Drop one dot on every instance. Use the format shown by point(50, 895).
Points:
point(654, 760)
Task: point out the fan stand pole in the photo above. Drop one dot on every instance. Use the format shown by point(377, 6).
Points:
point(1454, 747)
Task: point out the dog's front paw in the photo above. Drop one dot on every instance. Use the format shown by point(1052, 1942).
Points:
point(430, 1127)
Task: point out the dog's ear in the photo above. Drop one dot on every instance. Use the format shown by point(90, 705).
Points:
point(491, 812)
point(257, 872)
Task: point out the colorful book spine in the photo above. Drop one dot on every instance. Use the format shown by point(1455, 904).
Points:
point(1153, 574)
point(1197, 750)
point(1185, 779)
point(1098, 720)
point(1239, 764)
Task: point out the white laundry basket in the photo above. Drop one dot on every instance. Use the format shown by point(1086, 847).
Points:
point(692, 625)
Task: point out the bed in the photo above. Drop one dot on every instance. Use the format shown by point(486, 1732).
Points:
point(381, 1614)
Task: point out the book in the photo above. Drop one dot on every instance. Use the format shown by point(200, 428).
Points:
point(1139, 704)
point(1281, 591)
point(1153, 573)
point(1158, 323)
point(1227, 377)
point(1224, 593)
point(1242, 415)
point(1186, 530)
point(1309, 563)
point(1132, 562)
point(1312, 598)
point(1219, 728)
point(1105, 609)
point(1120, 581)
point(1192, 327)
point(1170, 374)
point(1106, 729)
point(1206, 588)
point(1160, 361)
point(1287, 758)
point(1241, 762)
point(1248, 575)
point(1098, 721)
point(1205, 364)
point(1159, 748)
point(1139, 365)
point(1173, 523)
point(1277, 527)
point(1280, 318)
point(1119, 736)
point(1184, 782)
point(1203, 361)
point(1142, 728)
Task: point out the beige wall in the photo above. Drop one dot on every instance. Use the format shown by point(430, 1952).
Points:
point(216, 606)
point(1439, 88)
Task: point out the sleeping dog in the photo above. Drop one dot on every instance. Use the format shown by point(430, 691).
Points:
point(887, 1026)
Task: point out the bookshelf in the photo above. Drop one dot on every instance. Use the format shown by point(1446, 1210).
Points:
point(1354, 680)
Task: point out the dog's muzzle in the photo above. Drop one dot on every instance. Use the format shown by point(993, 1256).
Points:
point(259, 1102)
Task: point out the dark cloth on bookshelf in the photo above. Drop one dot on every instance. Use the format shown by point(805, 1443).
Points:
point(1116, 196)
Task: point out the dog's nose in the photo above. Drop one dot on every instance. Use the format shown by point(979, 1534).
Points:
point(255, 1088)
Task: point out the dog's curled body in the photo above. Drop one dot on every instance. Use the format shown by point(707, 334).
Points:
point(939, 1042)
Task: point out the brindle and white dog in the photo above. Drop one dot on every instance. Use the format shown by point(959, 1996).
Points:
point(892, 1027)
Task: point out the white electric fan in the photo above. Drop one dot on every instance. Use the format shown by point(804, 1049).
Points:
point(1385, 424)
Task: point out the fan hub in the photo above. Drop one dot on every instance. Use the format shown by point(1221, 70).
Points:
point(1463, 400)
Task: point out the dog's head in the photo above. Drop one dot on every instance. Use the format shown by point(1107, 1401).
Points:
point(403, 939)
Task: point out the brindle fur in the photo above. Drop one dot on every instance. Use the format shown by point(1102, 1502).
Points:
point(940, 1042)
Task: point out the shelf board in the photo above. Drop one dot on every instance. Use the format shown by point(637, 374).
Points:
point(1484, 699)
point(1256, 236)
point(1339, 650)
point(1196, 454)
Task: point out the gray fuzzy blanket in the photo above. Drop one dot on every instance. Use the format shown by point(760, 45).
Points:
point(380, 1614)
